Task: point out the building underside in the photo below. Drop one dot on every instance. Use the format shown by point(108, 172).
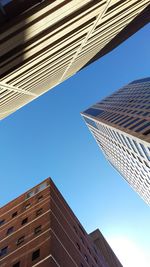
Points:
point(43, 43)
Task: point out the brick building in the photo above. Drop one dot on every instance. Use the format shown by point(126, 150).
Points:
point(39, 229)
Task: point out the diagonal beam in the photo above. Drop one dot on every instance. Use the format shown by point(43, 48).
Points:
point(9, 87)
point(92, 28)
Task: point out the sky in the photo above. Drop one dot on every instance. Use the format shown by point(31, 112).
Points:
point(48, 137)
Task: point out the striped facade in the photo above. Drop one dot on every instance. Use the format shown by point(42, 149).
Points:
point(43, 43)
point(121, 126)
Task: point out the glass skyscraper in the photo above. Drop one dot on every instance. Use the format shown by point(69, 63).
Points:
point(121, 126)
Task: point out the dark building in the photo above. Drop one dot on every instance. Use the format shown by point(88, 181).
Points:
point(43, 43)
point(39, 229)
point(104, 248)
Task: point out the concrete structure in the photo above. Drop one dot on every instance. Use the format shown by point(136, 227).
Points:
point(43, 43)
point(39, 229)
point(121, 126)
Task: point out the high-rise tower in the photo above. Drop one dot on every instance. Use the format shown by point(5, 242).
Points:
point(39, 229)
point(121, 126)
point(43, 43)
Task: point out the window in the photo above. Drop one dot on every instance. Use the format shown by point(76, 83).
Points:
point(14, 214)
point(24, 221)
point(147, 132)
point(27, 206)
point(90, 122)
point(35, 254)
point(42, 186)
point(30, 194)
point(17, 264)
point(2, 222)
point(94, 111)
point(20, 240)
point(10, 230)
point(75, 229)
point(143, 127)
point(39, 212)
point(145, 151)
point(40, 198)
point(78, 246)
point(37, 229)
point(3, 251)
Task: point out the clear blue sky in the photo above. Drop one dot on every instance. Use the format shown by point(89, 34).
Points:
point(48, 137)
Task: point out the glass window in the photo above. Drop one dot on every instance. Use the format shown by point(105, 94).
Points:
point(30, 194)
point(145, 151)
point(38, 229)
point(39, 212)
point(138, 149)
point(90, 122)
point(131, 122)
point(24, 221)
point(20, 240)
point(137, 124)
point(147, 132)
point(42, 186)
point(10, 230)
point(2, 222)
point(35, 254)
point(3, 251)
point(40, 198)
point(143, 127)
point(94, 112)
point(14, 214)
point(27, 206)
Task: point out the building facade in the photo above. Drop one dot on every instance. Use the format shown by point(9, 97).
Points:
point(39, 229)
point(121, 126)
point(103, 246)
point(45, 42)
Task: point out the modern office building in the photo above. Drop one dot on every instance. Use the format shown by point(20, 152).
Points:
point(121, 126)
point(42, 43)
point(39, 229)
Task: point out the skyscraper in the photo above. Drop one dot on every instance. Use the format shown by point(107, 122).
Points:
point(43, 43)
point(39, 229)
point(121, 126)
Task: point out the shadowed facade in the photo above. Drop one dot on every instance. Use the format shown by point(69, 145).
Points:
point(43, 43)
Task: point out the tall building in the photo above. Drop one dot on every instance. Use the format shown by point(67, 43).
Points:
point(45, 42)
point(39, 229)
point(121, 126)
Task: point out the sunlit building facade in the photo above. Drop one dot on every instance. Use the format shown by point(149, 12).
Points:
point(39, 229)
point(121, 126)
point(43, 43)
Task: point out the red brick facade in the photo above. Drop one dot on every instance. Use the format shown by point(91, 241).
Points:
point(39, 229)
